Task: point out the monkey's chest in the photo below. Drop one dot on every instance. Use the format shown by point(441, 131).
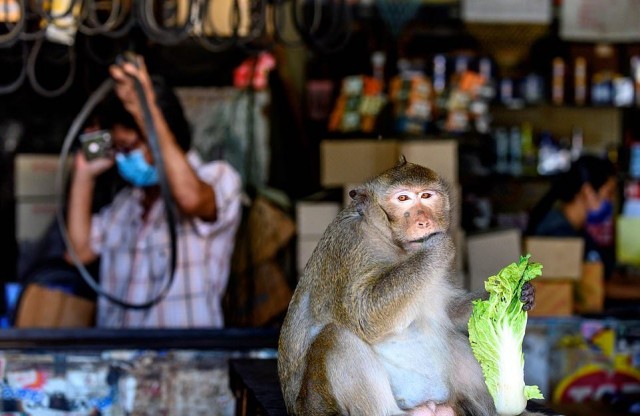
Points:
point(417, 365)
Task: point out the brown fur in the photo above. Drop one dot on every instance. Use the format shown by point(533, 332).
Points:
point(371, 288)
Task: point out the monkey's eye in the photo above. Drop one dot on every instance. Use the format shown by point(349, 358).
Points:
point(426, 195)
point(403, 198)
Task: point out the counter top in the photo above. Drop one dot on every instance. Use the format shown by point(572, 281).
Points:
point(98, 338)
point(257, 389)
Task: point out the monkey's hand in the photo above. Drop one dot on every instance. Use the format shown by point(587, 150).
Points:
point(528, 296)
point(438, 239)
point(438, 250)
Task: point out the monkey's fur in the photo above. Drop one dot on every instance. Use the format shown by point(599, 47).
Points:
point(376, 325)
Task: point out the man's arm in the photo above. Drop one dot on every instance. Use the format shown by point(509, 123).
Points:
point(79, 207)
point(193, 196)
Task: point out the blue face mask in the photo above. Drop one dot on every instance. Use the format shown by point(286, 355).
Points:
point(134, 168)
point(602, 214)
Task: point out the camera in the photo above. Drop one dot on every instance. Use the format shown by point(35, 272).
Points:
point(96, 144)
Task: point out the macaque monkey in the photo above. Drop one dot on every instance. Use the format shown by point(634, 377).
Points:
point(376, 325)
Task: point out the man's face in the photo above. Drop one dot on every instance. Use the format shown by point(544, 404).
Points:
point(126, 139)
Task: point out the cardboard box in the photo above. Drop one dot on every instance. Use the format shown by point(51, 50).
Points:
point(355, 161)
point(349, 161)
point(43, 307)
point(489, 252)
point(441, 155)
point(561, 257)
point(312, 217)
point(553, 298)
point(589, 290)
point(36, 174)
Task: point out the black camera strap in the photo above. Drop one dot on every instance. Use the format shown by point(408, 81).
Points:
point(170, 210)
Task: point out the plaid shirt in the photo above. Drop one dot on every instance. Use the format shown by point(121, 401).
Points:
point(135, 256)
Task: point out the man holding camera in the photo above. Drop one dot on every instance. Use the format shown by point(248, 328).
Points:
point(131, 236)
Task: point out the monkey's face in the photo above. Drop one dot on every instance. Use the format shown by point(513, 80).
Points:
point(416, 213)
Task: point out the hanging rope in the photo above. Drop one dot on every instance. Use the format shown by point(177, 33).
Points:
point(14, 29)
point(22, 74)
point(213, 41)
point(33, 77)
point(324, 25)
point(90, 23)
point(338, 33)
point(159, 32)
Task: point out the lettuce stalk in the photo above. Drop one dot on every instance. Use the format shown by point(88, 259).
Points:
point(496, 331)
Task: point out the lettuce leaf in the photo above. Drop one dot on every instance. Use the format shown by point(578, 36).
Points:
point(496, 332)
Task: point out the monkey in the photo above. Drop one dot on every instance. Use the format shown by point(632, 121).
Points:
point(376, 325)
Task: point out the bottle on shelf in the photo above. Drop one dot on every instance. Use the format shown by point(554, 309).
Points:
point(515, 151)
point(501, 143)
point(580, 81)
point(558, 81)
point(529, 158)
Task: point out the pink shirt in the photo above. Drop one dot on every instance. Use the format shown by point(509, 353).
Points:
point(134, 260)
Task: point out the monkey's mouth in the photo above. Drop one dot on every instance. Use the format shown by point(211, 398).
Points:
point(416, 243)
point(422, 239)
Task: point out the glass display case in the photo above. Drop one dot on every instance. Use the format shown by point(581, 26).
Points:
point(124, 372)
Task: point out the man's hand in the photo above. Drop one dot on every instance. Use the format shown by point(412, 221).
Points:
point(124, 75)
point(91, 169)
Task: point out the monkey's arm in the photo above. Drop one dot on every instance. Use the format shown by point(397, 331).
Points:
point(382, 298)
point(460, 308)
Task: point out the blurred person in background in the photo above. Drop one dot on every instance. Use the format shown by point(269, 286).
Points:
point(131, 235)
point(580, 203)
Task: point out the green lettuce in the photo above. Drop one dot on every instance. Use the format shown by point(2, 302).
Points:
point(496, 331)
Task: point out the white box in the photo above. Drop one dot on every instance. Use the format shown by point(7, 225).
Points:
point(33, 217)
point(490, 252)
point(312, 217)
point(36, 174)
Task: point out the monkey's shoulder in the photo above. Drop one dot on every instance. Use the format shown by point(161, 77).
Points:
point(347, 219)
point(343, 235)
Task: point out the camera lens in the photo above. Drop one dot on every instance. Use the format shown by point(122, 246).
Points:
point(93, 147)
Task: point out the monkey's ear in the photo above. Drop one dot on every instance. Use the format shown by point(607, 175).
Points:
point(402, 160)
point(360, 198)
